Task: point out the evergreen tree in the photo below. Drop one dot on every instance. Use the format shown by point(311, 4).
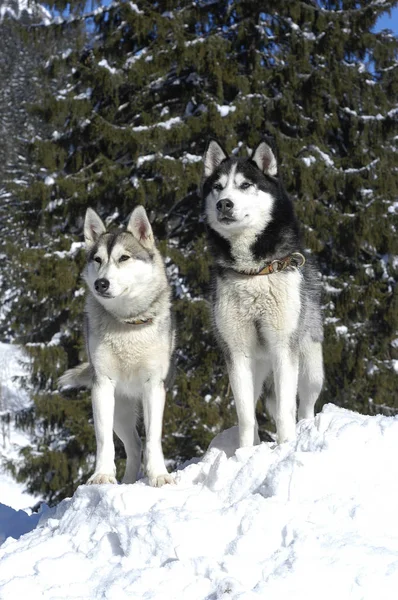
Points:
point(130, 126)
point(20, 57)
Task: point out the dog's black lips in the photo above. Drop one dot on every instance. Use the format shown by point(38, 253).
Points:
point(225, 219)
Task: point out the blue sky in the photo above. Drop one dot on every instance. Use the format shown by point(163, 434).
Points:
point(386, 22)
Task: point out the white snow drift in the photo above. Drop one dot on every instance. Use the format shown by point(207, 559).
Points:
point(315, 518)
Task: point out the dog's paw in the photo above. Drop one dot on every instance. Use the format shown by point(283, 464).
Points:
point(100, 478)
point(159, 480)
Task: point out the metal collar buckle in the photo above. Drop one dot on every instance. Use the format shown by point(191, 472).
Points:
point(278, 265)
point(299, 261)
point(295, 260)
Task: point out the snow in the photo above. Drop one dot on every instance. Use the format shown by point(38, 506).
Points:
point(372, 369)
point(15, 10)
point(377, 117)
point(136, 56)
point(225, 109)
point(186, 158)
point(169, 123)
point(49, 180)
point(165, 124)
point(341, 330)
point(330, 289)
point(323, 155)
point(143, 159)
point(84, 95)
point(151, 157)
point(191, 158)
point(135, 8)
point(13, 398)
point(104, 63)
point(56, 339)
point(197, 40)
point(73, 251)
point(365, 168)
point(307, 519)
point(349, 111)
point(308, 160)
point(309, 35)
point(14, 497)
point(13, 364)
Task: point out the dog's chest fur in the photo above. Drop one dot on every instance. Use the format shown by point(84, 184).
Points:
point(271, 304)
point(128, 353)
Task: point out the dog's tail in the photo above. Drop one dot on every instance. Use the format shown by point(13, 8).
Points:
point(80, 376)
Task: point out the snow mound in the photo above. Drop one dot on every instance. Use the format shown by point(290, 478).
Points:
point(314, 518)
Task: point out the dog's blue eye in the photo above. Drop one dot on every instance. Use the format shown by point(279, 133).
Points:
point(217, 186)
point(98, 260)
point(245, 185)
point(123, 258)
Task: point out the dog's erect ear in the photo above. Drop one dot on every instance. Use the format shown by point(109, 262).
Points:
point(265, 159)
point(214, 155)
point(93, 227)
point(140, 227)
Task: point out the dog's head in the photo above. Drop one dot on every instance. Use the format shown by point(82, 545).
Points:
point(118, 263)
point(239, 193)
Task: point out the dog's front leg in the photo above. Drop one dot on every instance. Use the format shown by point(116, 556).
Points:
point(103, 399)
point(241, 378)
point(153, 401)
point(285, 367)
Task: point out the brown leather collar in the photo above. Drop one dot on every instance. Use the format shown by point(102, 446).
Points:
point(296, 259)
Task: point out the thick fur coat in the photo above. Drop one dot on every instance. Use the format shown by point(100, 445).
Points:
point(269, 326)
point(130, 343)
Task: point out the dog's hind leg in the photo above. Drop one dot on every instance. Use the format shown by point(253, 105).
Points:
point(310, 378)
point(269, 398)
point(125, 428)
point(261, 371)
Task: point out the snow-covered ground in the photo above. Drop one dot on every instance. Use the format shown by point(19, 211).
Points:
point(311, 519)
point(13, 398)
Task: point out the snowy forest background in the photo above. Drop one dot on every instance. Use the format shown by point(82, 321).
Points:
point(110, 105)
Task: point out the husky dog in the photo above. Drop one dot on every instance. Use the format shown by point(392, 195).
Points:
point(130, 343)
point(266, 295)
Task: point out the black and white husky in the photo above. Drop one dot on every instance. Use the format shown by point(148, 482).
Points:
point(130, 343)
point(266, 296)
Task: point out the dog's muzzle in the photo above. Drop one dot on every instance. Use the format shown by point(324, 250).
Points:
point(101, 285)
point(224, 210)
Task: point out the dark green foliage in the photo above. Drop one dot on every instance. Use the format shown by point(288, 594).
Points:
point(132, 116)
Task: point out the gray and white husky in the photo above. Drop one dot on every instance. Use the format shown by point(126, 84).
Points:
point(130, 343)
point(266, 295)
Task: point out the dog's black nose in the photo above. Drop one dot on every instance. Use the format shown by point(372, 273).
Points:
point(225, 205)
point(101, 285)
